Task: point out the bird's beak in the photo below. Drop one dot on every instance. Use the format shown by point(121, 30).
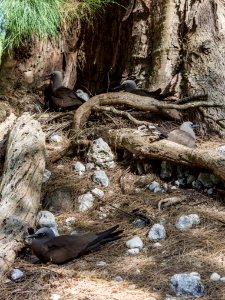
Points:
point(31, 236)
point(117, 88)
point(195, 125)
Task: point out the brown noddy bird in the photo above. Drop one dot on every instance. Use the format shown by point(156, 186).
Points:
point(61, 249)
point(58, 96)
point(185, 135)
point(131, 87)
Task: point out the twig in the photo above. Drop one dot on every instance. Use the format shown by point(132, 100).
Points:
point(129, 10)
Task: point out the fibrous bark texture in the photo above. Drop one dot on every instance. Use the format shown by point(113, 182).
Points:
point(142, 147)
point(21, 186)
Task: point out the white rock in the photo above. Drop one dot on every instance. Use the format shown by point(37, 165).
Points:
point(173, 187)
point(133, 251)
point(90, 166)
point(132, 286)
point(170, 298)
point(157, 232)
point(85, 201)
point(195, 219)
point(16, 274)
point(46, 219)
point(135, 242)
point(98, 193)
point(165, 186)
point(60, 167)
point(222, 279)
point(153, 185)
point(70, 221)
point(47, 174)
point(74, 232)
point(101, 264)
point(157, 189)
point(184, 222)
point(79, 168)
point(101, 178)
point(55, 297)
point(215, 277)
point(100, 153)
point(142, 127)
point(157, 245)
point(177, 183)
point(56, 138)
point(118, 278)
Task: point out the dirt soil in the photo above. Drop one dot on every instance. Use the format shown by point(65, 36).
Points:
point(145, 276)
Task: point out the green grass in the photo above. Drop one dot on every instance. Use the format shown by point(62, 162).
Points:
point(25, 19)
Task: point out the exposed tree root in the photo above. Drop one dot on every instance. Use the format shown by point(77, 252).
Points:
point(138, 102)
point(170, 201)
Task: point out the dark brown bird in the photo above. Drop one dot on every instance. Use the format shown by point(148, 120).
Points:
point(61, 249)
point(131, 87)
point(58, 96)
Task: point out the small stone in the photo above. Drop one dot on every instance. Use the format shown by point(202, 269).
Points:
point(55, 297)
point(187, 285)
point(210, 191)
point(153, 185)
point(118, 278)
point(47, 174)
point(79, 168)
point(168, 297)
point(196, 184)
point(140, 223)
point(56, 138)
point(135, 242)
point(101, 264)
point(221, 149)
point(100, 153)
point(98, 193)
point(142, 127)
point(157, 245)
point(184, 222)
point(101, 178)
point(133, 251)
point(157, 232)
point(195, 219)
point(60, 167)
point(86, 202)
point(70, 221)
point(157, 189)
point(215, 277)
point(74, 232)
point(222, 279)
point(173, 187)
point(177, 183)
point(16, 274)
point(165, 186)
point(90, 166)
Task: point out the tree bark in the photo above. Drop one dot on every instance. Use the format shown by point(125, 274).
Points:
point(5, 128)
point(21, 186)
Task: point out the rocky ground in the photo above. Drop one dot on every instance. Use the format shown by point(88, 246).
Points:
point(112, 272)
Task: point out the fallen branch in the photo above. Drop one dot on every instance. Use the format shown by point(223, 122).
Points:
point(21, 186)
point(142, 146)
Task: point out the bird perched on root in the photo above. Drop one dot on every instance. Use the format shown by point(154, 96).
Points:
point(61, 249)
point(58, 96)
point(185, 135)
point(131, 87)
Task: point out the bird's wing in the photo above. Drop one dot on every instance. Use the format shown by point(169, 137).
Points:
point(65, 97)
point(181, 137)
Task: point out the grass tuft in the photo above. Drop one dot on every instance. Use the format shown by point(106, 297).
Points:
point(23, 20)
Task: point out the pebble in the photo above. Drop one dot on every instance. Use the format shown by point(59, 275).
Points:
point(46, 219)
point(79, 168)
point(101, 264)
point(153, 185)
point(157, 232)
point(135, 242)
point(133, 251)
point(47, 174)
point(70, 221)
point(56, 138)
point(98, 193)
point(101, 178)
point(86, 201)
point(157, 245)
point(215, 277)
point(184, 222)
point(118, 278)
point(55, 297)
point(90, 166)
point(16, 274)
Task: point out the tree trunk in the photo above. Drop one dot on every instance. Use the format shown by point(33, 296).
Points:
point(21, 186)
